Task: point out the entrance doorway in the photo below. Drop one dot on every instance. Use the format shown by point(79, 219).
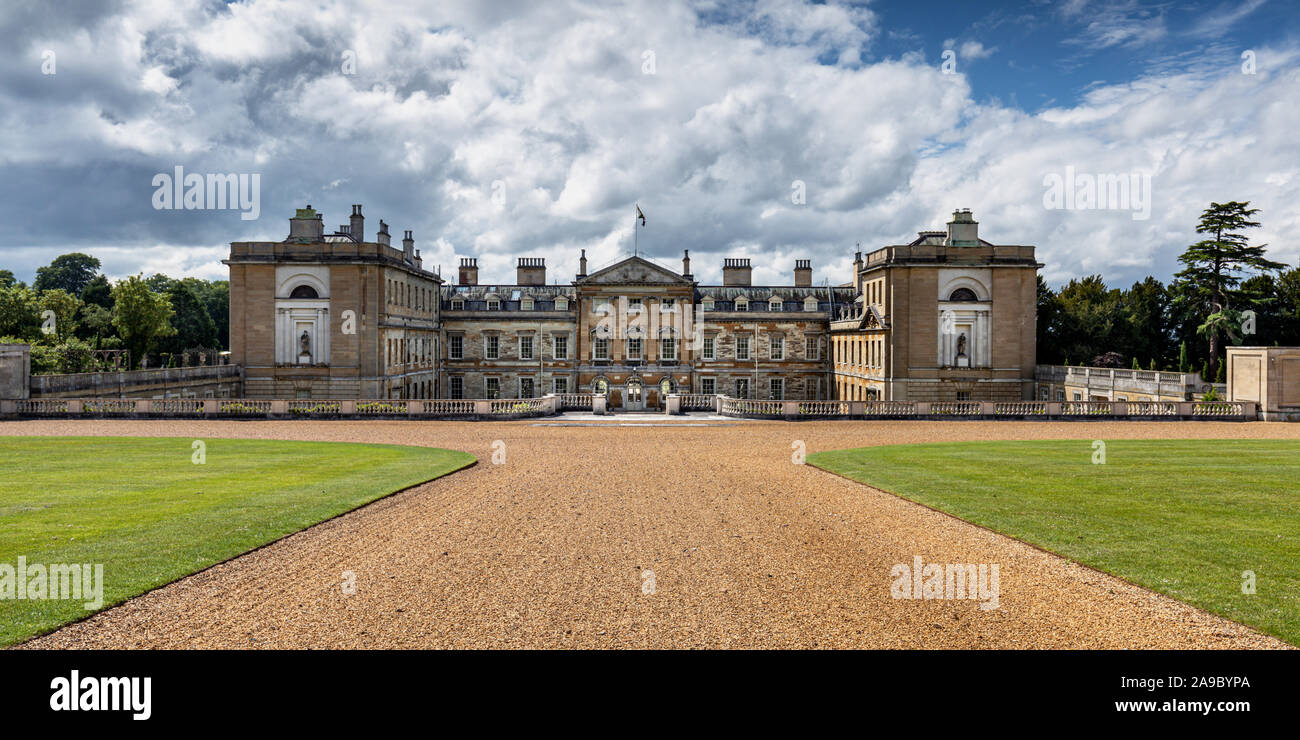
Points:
point(635, 400)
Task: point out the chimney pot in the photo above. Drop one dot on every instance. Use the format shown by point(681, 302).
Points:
point(531, 271)
point(803, 273)
point(736, 271)
point(357, 224)
point(468, 271)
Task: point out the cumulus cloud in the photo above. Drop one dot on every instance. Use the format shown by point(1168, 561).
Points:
point(529, 129)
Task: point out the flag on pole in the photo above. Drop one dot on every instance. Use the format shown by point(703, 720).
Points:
point(640, 215)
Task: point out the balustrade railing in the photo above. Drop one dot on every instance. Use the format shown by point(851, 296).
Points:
point(552, 404)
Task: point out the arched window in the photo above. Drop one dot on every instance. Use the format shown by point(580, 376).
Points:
point(963, 294)
point(304, 291)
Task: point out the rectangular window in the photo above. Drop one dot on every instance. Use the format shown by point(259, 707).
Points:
point(561, 347)
point(634, 349)
point(812, 348)
point(963, 395)
point(457, 387)
point(525, 387)
point(493, 349)
point(742, 387)
point(600, 348)
point(668, 348)
point(708, 385)
point(526, 349)
point(742, 348)
point(456, 347)
point(777, 388)
point(493, 387)
point(667, 305)
point(708, 348)
point(778, 348)
point(559, 385)
point(812, 389)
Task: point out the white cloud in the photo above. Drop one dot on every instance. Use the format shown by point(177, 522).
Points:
point(551, 101)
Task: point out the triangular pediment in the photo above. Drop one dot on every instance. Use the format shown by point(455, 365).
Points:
point(633, 270)
point(871, 319)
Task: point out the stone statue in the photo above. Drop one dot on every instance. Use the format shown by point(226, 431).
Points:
point(961, 345)
point(305, 342)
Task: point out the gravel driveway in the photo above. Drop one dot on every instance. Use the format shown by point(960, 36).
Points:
point(551, 550)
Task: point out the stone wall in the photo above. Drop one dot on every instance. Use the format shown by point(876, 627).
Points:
point(219, 381)
point(15, 367)
point(1268, 376)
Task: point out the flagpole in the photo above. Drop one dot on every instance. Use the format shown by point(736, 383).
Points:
point(635, 251)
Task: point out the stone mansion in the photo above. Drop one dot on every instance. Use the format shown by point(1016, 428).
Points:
point(948, 316)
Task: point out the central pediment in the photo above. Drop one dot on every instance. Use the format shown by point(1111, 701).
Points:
point(633, 270)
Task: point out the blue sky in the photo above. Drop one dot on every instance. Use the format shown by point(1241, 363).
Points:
point(1049, 53)
point(512, 128)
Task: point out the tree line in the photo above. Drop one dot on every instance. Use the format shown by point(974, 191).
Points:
point(1227, 292)
point(71, 310)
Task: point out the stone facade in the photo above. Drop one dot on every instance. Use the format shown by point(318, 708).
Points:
point(948, 317)
point(633, 332)
point(1268, 376)
point(333, 316)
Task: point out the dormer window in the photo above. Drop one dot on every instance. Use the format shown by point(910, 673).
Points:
point(561, 303)
point(810, 304)
point(526, 304)
point(457, 304)
point(774, 304)
point(707, 303)
point(494, 304)
point(742, 303)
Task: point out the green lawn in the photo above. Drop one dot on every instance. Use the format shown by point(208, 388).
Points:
point(143, 509)
point(1182, 517)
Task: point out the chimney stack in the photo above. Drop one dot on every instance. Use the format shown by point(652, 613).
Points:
point(857, 272)
point(468, 271)
point(582, 264)
point(686, 264)
point(735, 271)
point(419, 263)
point(382, 236)
point(803, 273)
point(358, 224)
point(408, 247)
point(306, 226)
point(531, 271)
point(963, 229)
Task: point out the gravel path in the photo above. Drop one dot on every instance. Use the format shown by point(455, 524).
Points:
point(548, 550)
